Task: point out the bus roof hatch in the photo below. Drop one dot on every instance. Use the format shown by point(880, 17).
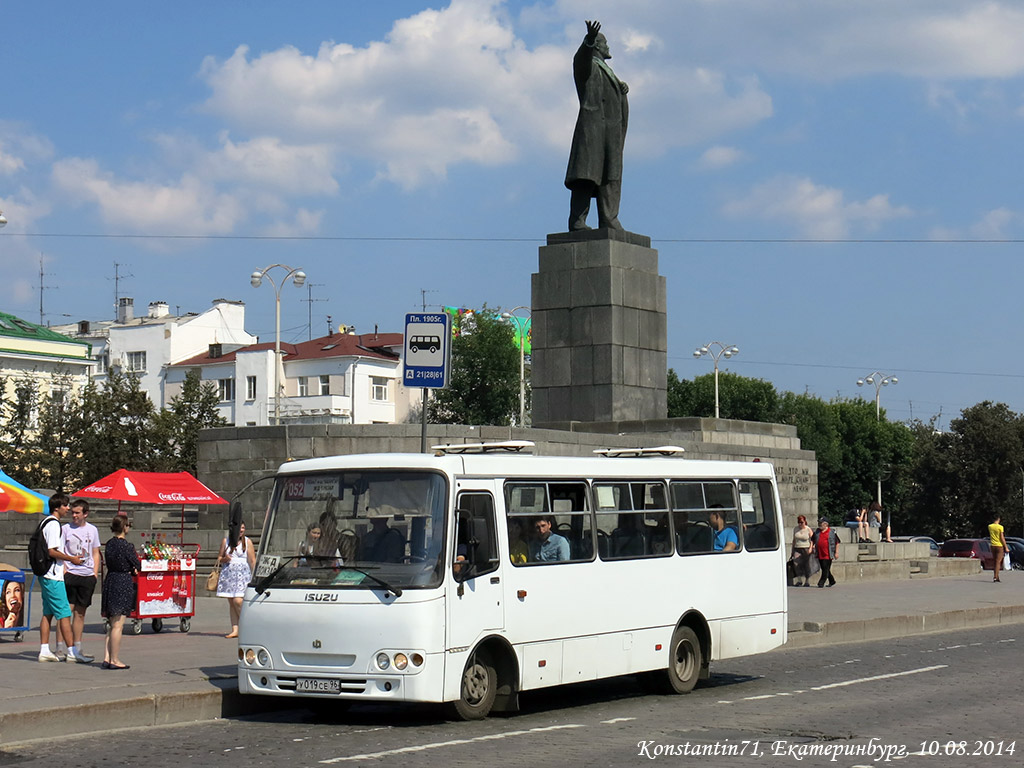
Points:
point(659, 450)
point(508, 446)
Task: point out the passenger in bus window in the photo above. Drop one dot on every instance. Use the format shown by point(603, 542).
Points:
point(726, 539)
point(547, 546)
point(309, 546)
point(517, 549)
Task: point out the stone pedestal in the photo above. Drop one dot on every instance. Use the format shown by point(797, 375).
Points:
point(599, 329)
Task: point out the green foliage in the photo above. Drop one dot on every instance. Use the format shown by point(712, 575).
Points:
point(483, 386)
point(177, 427)
point(54, 445)
point(118, 428)
point(739, 397)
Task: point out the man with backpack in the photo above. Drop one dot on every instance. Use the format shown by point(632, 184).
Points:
point(55, 596)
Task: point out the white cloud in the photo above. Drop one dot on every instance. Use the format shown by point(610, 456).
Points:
point(187, 206)
point(827, 39)
point(268, 161)
point(993, 225)
point(719, 157)
point(455, 86)
point(818, 212)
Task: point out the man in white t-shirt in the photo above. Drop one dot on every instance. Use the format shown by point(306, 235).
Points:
point(80, 538)
point(55, 597)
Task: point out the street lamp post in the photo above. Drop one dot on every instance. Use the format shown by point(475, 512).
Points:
point(880, 380)
point(256, 279)
point(521, 325)
point(724, 350)
point(3, 220)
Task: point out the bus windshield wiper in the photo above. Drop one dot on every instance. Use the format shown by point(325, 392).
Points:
point(266, 581)
point(397, 591)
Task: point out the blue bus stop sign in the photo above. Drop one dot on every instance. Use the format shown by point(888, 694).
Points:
point(427, 352)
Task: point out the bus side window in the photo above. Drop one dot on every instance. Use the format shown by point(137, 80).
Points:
point(475, 535)
point(757, 503)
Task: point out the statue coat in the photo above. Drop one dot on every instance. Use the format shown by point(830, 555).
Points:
point(596, 153)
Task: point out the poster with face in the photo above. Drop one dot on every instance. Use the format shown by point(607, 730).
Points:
point(12, 603)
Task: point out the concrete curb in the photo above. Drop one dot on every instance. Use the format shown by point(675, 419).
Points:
point(137, 712)
point(883, 628)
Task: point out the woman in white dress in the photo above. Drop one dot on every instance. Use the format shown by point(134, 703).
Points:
point(237, 559)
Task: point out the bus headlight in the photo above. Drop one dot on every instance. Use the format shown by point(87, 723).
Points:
point(250, 656)
point(383, 661)
point(401, 661)
point(263, 657)
point(417, 660)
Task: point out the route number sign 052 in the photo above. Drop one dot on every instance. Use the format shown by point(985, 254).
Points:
point(427, 351)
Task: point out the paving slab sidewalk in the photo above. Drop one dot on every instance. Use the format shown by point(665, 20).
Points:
point(177, 677)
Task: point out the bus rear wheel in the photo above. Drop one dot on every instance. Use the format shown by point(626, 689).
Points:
point(478, 688)
point(684, 660)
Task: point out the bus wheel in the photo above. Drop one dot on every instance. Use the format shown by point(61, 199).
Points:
point(684, 660)
point(478, 689)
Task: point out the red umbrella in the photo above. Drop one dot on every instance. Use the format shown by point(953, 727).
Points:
point(152, 488)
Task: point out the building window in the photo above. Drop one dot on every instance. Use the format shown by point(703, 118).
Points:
point(325, 384)
point(250, 387)
point(379, 389)
point(136, 361)
point(226, 390)
point(303, 386)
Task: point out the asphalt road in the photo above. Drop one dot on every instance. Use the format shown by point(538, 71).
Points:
point(954, 696)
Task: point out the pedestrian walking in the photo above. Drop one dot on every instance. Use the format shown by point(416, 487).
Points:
point(801, 554)
point(997, 540)
point(826, 546)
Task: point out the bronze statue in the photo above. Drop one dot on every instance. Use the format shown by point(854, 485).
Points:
point(595, 160)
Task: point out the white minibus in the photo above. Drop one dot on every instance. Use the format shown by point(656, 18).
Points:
point(474, 573)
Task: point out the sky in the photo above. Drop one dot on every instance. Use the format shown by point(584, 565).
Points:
point(834, 187)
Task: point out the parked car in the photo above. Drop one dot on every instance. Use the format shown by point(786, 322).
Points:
point(1016, 547)
point(933, 545)
point(978, 549)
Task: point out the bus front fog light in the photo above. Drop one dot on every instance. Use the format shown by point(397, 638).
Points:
point(250, 656)
point(241, 654)
point(383, 661)
point(263, 657)
point(401, 661)
point(417, 660)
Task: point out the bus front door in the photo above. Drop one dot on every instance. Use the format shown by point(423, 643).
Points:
point(475, 599)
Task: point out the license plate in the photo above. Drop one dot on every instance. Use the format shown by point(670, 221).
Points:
point(317, 685)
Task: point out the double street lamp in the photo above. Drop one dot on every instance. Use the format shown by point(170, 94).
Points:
point(520, 323)
point(880, 380)
point(724, 350)
point(256, 279)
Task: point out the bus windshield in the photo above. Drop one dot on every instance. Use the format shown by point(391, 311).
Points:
point(354, 529)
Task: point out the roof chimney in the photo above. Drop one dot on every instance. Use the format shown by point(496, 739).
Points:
point(158, 309)
point(125, 310)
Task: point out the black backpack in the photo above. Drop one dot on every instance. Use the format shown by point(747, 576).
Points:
point(38, 553)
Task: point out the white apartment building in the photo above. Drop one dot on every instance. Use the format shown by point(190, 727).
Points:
point(336, 379)
point(145, 346)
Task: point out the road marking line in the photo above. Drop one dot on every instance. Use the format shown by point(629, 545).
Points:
point(879, 677)
point(871, 679)
point(617, 720)
point(452, 743)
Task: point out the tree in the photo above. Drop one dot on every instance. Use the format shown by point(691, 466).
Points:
point(177, 427)
point(55, 444)
point(986, 454)
point(740, 397)
point(483, 386)
point(17, 420)
point(119, 429)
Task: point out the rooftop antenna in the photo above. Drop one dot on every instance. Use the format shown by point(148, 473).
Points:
point(42, 287)
point(309, 301)
point(423, 297)
point(118, 277)
point(330, 326)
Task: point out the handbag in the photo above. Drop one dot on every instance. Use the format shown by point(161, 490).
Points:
point(1006, 562)
point(212, 579)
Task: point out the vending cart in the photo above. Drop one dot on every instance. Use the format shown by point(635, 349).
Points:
point(165, 588)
